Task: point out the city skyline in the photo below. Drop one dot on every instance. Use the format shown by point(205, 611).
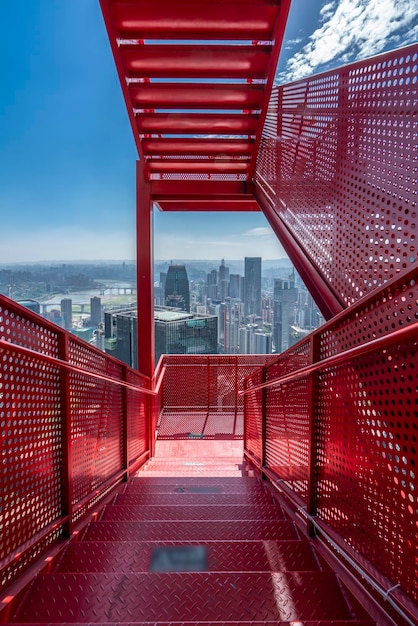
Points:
point(67, 156)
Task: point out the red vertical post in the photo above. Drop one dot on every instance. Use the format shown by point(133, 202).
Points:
point(125, 426)
point(263, 418)
point(66, 471)
point(313, 387)
point(145, 273)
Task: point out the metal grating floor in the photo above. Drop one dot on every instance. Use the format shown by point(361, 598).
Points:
point(193, 539)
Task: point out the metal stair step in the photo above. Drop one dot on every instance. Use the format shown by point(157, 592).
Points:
point(192, 499)
point(189, 513)
point(104, 597)
point(239, 556)
point(253, 530)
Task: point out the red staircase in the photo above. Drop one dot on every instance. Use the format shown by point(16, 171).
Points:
point(192, 539)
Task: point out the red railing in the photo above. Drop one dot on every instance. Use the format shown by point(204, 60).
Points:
point(73, 425)
point(75, 422)
point(333, 424)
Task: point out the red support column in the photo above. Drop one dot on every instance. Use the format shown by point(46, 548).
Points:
point(145, 273)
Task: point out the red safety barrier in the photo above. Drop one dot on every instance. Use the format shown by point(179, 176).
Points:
point(336, 175)
point(333, 424)
point(73, 423)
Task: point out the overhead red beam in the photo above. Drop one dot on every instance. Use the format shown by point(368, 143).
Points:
point(215, 166)
point(208, 204)
point(188, 96)
point(201, 147)
point(184, 61)
point(194, 123)
point(179, 189)
point(209, 20)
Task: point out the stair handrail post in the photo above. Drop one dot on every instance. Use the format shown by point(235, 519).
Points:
point(125, 426)
point(264, 392)
point(66, 429)
point(313, 398)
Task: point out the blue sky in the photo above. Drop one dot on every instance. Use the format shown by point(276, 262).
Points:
point(67, 156)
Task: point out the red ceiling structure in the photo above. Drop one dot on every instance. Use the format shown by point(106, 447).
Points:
point(196, 78)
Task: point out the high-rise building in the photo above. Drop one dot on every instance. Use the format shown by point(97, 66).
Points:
point(213, 285)
point(177, 332)
point(262, 343)
point(223, 281)
point(236, 286)
point(95, 311)
point(284, 302)
point(177, 292)
point(252, 286)
point(67, 313)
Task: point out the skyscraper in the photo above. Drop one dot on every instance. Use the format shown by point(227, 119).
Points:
point(95, 311)
point(223, 281)
point(177, 292)
point(252, 286)
point(284, 301)
point(67, 312)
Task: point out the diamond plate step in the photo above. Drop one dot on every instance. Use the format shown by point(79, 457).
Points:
point(98, 598)
point(190, 531)
point(188, 513)
point(193, 499)
point(130, 557)
point(334, 622)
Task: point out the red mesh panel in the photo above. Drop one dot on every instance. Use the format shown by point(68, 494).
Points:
point(186, 382)
point(36, 399)
point(223, 383)
point(287, 434)
point(253, 425)
point(210, 382)
point(31, 439)
point(365, 423)
point(136, 418)
point(346, 162)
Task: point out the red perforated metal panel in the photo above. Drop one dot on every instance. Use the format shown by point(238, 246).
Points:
point(345, 441)
point(339, 168)
point(62, 432)
point(31, 437)
point(136, 408)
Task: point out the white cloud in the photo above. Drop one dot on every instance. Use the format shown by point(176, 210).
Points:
point(350, 30)
point(260, 231)
point(237, 245)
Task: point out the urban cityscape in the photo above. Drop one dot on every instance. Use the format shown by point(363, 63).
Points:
point(248, 306)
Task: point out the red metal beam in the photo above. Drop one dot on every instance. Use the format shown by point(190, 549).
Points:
point(195, 61)
point(210, 20)
point(195, 123)
point(189, 96)
point(198, 146)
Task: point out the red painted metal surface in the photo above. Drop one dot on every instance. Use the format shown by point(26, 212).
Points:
point(256, 570)
point(336, 166)
point(358, 427)
point(194, 71)
point(207, 383)
point(62, 420)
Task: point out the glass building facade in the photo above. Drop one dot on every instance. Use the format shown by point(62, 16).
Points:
point(181, 333)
